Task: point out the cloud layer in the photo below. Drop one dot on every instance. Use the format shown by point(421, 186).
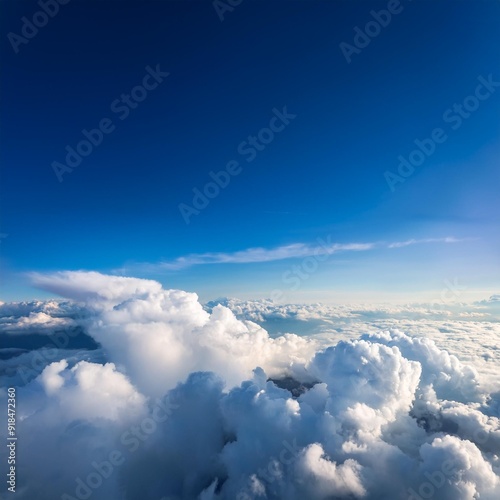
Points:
point(186, 402)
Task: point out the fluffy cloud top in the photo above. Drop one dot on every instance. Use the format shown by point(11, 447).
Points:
point(93, 287)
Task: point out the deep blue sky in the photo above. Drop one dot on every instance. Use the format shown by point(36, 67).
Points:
point(322, 175)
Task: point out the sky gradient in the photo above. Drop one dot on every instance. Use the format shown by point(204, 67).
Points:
point(319, 175)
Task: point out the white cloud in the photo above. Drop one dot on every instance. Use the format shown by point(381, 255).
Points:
point(326, 477)
point(93, 287)
point(91, 391)
point(139, 324)
point(37, 316)
point(400, 244)
point(36, 322)
point(468, 331)
point(294, 250)
point(385, 413)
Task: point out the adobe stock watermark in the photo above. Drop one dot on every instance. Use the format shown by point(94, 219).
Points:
point(122, 107)
point(297, 274)
point(452, 291)
point(30, 28)
point(131, 439)
point(435, 481)
point(372, 29)
point(249, 149)
point(448, 471)
point(455, 116)
point(272, 471)
point(223, 6)
point(48, 354)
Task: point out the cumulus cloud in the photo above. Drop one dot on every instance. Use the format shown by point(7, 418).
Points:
point(327, 478)
point(74, 391)
point(189, 402)
point(468, 331)
point(93, 287)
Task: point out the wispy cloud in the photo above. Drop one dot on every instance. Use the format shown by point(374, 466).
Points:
point(294, 250)
point(252, 255)
point(449, 239)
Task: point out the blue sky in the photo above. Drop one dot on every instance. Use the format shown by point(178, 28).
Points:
point(323, 175)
